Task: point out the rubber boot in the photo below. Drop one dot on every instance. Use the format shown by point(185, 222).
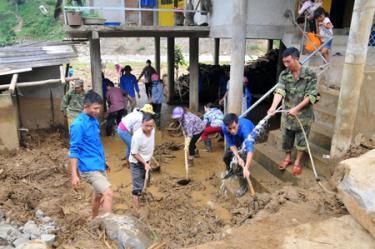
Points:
point(208, 145)
point(243, 187)
point(157, 120)
point(228, 173)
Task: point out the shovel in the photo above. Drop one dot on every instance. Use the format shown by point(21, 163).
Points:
point(252, 191)
point(146, 181)
point(186, 180)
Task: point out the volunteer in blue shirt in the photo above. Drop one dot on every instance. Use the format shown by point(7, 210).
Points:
point(129, 84)
point(236, 132)
point(87, 154)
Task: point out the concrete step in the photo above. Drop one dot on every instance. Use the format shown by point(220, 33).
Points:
point(324, 115)
point(269, 157)
point(340, 40)
point(329, 97)
point(321, 135)
point(321, 164)
point(263, 180)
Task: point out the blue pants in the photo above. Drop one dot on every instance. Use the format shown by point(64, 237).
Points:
point(127, 138)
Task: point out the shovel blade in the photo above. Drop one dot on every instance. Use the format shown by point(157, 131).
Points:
point(183, 182)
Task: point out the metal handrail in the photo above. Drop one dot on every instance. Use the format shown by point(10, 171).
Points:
point(139, 10)
point(274, 87)
point(304, 33)
point(132, 9)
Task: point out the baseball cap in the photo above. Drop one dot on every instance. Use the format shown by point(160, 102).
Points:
point(78, 83)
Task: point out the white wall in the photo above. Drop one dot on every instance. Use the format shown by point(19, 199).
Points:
point(111, 15)
point(265, 18)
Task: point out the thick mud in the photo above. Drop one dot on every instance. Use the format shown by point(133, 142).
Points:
point(37, 177)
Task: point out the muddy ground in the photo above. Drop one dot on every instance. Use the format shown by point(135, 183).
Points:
point(37, 177)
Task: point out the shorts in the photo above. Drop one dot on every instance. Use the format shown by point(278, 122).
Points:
point(290, 135)
point(328, 45)
point(138, 178)
point(97, 179)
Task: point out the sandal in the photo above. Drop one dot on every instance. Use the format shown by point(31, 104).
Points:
point(284, 164)
point(297, 170)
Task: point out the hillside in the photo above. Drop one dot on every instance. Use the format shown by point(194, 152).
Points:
point(22, 20)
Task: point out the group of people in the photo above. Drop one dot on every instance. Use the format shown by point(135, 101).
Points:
point(297, 87)
point(318, 22)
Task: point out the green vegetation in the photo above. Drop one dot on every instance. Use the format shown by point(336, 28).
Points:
point(22, 20)
point(8, 22)
point(179, 59)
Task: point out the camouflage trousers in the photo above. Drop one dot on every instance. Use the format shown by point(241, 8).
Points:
point(295, 137)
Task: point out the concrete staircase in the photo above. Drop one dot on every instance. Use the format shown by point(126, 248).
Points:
point(269, 154)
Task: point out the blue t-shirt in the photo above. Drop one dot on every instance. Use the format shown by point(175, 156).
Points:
point(85, 144)
point(245, 127)
point(129, 84)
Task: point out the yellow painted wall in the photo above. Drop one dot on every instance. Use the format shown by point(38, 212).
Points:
point(167, 18)
point(327, 5)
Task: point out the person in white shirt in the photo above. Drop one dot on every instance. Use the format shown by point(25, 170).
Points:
point(130, 124)
point(142, 149)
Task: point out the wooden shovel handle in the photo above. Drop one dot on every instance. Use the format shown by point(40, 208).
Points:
point(252, 191)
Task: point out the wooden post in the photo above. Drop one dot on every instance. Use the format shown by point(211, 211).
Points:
point(269, 45)
point(170, 48)
point(13, 83)
point(194, 73)
point(157, 55)
point(96, 64)
point(217, 51)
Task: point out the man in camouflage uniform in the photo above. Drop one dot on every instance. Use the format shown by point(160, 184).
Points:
point(298, 87)
point(72, 102)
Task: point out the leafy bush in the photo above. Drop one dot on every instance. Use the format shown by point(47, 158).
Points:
point(7, 34)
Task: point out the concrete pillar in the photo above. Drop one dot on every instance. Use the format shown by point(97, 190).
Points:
point(194, 73)
point(238, 44)
point(269, 45)
point(280, 66)
point(353, 76)
point(96, 64)
point(157, 55)
point(170, 59)
point(217, 51)
point(9, 139)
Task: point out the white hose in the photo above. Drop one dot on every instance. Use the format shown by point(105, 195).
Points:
point(317, 178)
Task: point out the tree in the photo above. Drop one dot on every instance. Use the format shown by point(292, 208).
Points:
point(179, 59)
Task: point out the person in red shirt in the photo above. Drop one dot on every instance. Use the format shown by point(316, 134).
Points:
point(117, 106)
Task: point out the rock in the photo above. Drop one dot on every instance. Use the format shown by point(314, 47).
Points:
point(127, 231)
point(49, 239)
point(2, 215)
point(8, 233)
point(343, 233)
point(32, 230)
point(7, 247)
point(20, 241)
point(35, 244)
point(39, 214)
point(357, 189)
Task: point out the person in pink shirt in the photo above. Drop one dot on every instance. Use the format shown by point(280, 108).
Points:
point(117, 106)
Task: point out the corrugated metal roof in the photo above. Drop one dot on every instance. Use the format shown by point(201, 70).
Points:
point(36, 54)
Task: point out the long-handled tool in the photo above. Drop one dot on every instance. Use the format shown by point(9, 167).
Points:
point(146, 181)
point(187, 179)
point(252, 191)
